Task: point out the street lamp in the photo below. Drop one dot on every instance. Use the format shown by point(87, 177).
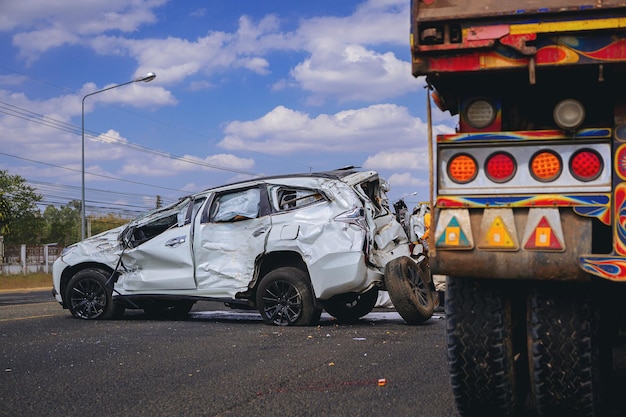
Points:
point(146, 78)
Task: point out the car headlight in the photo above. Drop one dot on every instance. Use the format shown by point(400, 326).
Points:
point(68, 250)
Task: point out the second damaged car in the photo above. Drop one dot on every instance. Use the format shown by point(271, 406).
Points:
point(288, 246)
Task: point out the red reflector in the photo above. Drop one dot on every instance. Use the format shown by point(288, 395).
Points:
point(586, 165)
point(500, 167)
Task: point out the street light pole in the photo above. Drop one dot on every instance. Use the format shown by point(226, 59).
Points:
point(147, 78)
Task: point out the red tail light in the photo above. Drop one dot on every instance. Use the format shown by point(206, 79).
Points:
point(500, 167)
point(586, 165)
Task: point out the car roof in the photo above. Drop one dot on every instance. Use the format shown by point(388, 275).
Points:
point(334, 174)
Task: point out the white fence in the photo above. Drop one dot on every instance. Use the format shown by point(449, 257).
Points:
point(24, 259)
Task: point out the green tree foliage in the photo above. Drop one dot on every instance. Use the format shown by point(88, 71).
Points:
point(22, 223)
point(19, 214)
point(103, 223)
point(63, 224)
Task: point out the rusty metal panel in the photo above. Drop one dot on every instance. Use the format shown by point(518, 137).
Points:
point(464, 9)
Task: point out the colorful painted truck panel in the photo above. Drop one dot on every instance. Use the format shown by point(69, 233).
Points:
point(529, 197)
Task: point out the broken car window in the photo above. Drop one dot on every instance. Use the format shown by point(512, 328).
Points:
point(288, 198)
point(236, 206)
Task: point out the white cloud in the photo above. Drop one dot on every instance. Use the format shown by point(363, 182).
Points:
point(286, 131)
point(60, 22)
point(416, 159)
point(355, 73)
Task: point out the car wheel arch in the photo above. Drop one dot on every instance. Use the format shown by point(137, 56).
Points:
point(69, 273)
point(273, 260)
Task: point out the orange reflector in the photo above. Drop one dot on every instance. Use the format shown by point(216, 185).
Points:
point(462, 168)
point(586, 165)
point(546, 166)
point(543, 237)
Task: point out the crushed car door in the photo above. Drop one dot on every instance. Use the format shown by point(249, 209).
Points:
point(229, 237)
point(159, 256)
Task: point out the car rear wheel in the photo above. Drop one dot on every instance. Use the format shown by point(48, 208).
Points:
point(285, 298)
point(352, 306)
point(88, 297)
point(409, 288)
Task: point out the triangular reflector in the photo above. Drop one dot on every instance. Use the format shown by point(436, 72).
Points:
point(543, 237)
point(453, 235)
point(498, 236)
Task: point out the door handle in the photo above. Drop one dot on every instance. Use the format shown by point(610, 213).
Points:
point(258, 232)
point(176, 241)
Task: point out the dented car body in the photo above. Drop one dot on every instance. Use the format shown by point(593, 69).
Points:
point(288, 246)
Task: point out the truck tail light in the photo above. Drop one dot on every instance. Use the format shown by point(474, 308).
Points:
point(546, 166)
point(586, 165)
point(462, 168)
point(569, 114)
point(500, 167)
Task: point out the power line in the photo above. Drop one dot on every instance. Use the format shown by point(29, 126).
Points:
point(24, 114)
point(90, 173)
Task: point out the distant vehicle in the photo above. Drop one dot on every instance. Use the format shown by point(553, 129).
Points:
point(288, 246)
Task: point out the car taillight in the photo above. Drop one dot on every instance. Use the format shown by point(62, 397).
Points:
point(500, 167)
point(586, 165)
point(546, 166)
point(354, 216)
point(462, 168)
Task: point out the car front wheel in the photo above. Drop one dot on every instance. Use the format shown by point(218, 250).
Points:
point(88, 297)
point(409, 287)
point(284, 298)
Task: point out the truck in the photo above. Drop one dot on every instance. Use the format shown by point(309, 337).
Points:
point(528, 196)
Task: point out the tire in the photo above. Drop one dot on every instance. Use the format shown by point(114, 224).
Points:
point(88, 297)
point(481, 348)
point(564, 343)
point(285, 298)
point(351, 307)
point(409, 288)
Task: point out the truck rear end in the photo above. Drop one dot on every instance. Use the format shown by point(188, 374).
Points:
point(530, 195)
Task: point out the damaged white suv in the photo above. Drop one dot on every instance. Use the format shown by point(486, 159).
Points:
point(288, 246)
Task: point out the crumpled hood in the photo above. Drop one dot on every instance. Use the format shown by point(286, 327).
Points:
point(104, 247)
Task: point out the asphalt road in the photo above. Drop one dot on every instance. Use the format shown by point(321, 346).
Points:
point(219, 362)
point(222, 362)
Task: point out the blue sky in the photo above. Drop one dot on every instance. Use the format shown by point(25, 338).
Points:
point(243, 88)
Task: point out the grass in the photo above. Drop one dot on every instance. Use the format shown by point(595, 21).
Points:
point(25, 281)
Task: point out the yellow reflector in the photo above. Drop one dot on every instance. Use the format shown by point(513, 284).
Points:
point(462, 168)
point(546, 166)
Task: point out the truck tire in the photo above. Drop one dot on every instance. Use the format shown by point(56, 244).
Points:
point(409, 288)
point(481, 348)
point(564, 343)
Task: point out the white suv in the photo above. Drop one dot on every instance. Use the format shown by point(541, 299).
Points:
point(288, 246)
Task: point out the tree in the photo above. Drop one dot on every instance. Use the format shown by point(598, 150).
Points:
point(18, 209)
point(103, 223)
point(63, 224)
